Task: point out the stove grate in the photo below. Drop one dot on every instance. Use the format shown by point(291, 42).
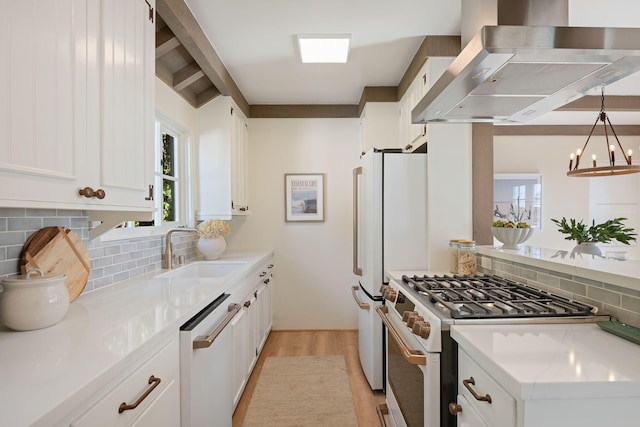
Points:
point(487, 296)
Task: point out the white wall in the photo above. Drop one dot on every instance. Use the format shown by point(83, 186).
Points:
point(581, 198)
point(313, 273)
point(175, 107)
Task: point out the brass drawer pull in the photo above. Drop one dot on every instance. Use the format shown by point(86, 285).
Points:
point(152, 380)
point(468, 383)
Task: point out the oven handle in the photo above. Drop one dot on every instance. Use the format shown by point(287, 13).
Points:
point(414, 357)
point(206, 341)
point(357, 270)
point(362, 305)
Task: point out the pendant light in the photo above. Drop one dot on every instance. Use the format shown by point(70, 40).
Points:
point(625, 166)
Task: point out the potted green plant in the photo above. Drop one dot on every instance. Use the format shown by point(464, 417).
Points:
point(588, 236)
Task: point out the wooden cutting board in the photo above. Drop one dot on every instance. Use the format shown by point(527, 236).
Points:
point(57, 251)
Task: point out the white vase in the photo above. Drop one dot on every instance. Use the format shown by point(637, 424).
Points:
point(511, 238)
point(211, 248)
point(589, 248)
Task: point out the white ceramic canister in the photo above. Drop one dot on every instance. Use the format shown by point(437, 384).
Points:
point(33, 301)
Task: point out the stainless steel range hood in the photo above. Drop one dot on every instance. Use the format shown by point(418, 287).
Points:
point(514, 73)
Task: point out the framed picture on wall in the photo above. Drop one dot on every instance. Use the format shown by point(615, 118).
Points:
point(304, 197)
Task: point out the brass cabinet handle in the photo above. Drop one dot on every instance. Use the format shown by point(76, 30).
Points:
point(264, 273)
point(415, 357)
point(454, 409)
point(206, 341)
point(247, 304)
point(408, 147)
point(468, 383)
point(357, 270)
point(152, 380)
point(270, 266)
point(89, 193)
point(265, 281)
point(362, 305)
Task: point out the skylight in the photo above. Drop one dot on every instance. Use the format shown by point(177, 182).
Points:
point(324, 48)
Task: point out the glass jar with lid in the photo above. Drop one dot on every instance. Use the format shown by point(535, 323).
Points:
point(467, 259)
point(453, 256)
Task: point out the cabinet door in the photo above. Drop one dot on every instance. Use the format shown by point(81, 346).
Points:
point(239, 158)
point(240, 367)
point(127, 103)
point(43, 91)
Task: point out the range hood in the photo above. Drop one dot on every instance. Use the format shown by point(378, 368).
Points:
point(514, 73)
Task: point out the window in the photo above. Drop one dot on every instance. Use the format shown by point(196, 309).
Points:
point(172, 188)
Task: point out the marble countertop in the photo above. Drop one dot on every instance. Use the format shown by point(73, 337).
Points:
point(46, 373)
point(554, 360)
point(625, 273)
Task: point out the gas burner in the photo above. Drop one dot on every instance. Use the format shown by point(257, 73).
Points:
point(480, 297)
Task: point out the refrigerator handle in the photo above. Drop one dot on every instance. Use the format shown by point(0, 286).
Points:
point(357, 172)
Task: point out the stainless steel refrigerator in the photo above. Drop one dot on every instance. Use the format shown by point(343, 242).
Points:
point(389, 233)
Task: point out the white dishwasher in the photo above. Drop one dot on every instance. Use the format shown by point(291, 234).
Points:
point(206, 396)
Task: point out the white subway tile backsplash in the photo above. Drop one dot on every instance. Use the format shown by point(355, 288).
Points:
point(622, 303)
point(111, 261)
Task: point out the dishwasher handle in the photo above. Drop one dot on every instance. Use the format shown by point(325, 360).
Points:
point(206, 341)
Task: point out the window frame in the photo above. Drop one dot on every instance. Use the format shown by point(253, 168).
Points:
point(185, 212)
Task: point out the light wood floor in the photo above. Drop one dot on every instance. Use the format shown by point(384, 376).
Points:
point(318, 343)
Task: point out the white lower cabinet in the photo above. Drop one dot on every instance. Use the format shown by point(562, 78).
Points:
point(251, 328)
point(148, 396)
point(487, 402)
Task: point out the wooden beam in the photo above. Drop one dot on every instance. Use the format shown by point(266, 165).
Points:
point(542, 130)
point(166, 41)
point(482, 176)
point(431, 46)
point(377, 94)
point(206, 96)
point(178, 17)
point(304, 111)
point(611, 103)
point(187, 75)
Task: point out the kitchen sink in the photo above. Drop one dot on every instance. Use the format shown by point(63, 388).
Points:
point(204, 269)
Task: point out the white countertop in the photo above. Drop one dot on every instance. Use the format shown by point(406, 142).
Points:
point(554, 361)
point(45, 374)
point(622, 273)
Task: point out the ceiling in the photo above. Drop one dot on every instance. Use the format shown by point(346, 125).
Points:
point(255, 41)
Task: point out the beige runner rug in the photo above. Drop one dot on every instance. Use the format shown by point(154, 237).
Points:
point(302, 391)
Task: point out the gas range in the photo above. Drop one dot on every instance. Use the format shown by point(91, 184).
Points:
point(418, 312)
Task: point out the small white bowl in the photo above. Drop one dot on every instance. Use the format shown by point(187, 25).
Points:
point(511, 238)
point(29, 303)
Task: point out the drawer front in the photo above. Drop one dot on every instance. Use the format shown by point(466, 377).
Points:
point(163, 365)
point(501, 412)
point(468, 417)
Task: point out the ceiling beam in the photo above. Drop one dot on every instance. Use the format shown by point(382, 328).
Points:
point(206, 96)
point(559, 130)
point(611, 103)
point(377, 94)
point(166, 41)
point(186, 76)
point(178, 17)
point(311, 111)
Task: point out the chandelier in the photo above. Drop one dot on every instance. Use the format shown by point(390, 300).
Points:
point(610, 168)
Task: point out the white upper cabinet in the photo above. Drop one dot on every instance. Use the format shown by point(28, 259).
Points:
point(222, 160)
point(412, 135)
point(76, 103)
point(379, 126)
point(126, 148)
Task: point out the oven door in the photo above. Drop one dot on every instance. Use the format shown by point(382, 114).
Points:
point(413, 376)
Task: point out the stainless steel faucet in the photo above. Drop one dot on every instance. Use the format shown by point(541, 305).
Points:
point(168, 250)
